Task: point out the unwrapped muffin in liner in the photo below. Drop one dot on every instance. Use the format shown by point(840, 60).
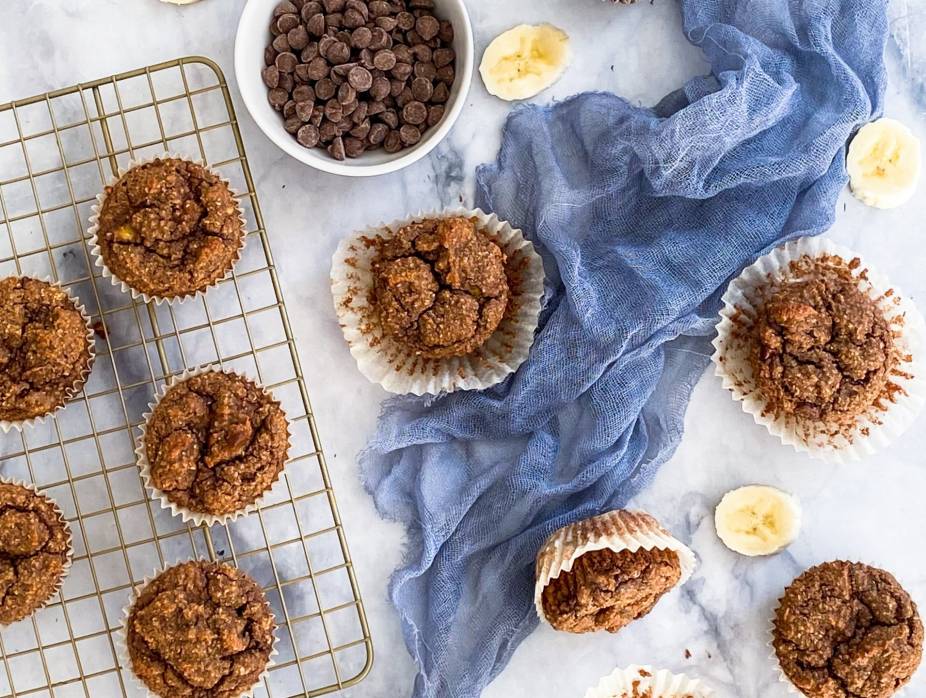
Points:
point(141, 455)
point(773, 658)
point(93, 233)
point(888, 418)
point(5, 425)
point(66, 567)
point(398, 368)
point(122, 639)
point(644, 681)
point(617, 530)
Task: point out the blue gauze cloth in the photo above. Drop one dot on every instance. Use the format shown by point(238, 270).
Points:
point(641, 217)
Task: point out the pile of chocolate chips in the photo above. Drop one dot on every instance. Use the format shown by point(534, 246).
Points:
point(355, 75)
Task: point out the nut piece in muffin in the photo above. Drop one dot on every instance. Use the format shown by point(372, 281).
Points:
point(45, 350)
point(215, 443)
point(822, 350)
point(847, 630)
point(169, 228)
point(202, 630)
point(440, 287)
point(607, 571)
point(35, 549)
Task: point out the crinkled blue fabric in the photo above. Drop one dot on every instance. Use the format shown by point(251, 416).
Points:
point(642, 216)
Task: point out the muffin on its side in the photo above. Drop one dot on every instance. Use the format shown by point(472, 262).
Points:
point(169, 228)
point(45, 348)
point(214, 444)
point(847, 630)
point(200, 629)
point(605, 572)
point(35, 551)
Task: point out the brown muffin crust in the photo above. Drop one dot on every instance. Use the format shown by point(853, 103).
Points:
point(34, 550)
point(169, 228)
point(606, 590)
point(200, 630)
point(44, 348)
point(847, 630)
point(215, 443)
point(822, 351)
point(440, 287)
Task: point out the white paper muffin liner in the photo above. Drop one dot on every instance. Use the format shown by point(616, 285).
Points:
point(615, 530)
point(635, 680)
point(6, 426)
point(731, 354)
point(141, 455)
point(70, 543)
point(400, 370)
point(773, 656)
point(122, 639)
point(95, 226)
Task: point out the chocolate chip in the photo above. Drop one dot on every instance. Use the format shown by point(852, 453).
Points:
point(446, 74)
point(446, 32)
point(403, 54)
point(376, 108)
point(287, 82)
point(378, 133)
point(390, 118)
point(384, 59)
point(443, 56)
point(386, 23)
point(409, 134)
point(309, 10)
point(380, 8)
point(346, 94)
point(327, 131)
point(427, 27)
point(289, 109)
point(333, 110)
point(393, 142)
point(304, 93)
point(361, 37)
point(403, 71)
point(318, 69)
point(309, 52)
point(396, 87)
point(336, 149)
point(404, 98)
point(304, 110)
point(277, 98)
point(338, 53)
point(284, 8)
point(353, 147)
point(281, 43)
point(335, 19)
point(405, 20)
point(334, 5)
point(421, 52)
point(361, 130)
point(271, 76)
point(422, 89)
point(298, 38)
point(359, 115)
point(325, 89)
point(353, 19)
point(415, 113)
point(425, 70)
point(435, 114)
point(287, 22)
point(270, 55)
point(286, 62)
point(441, 94)
point(292, 124)
point(360, 79)
point(380, 88)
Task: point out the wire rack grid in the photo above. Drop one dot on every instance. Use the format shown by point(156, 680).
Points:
point(57, 151)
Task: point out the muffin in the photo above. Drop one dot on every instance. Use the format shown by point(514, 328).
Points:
point(847, 630)
point(46, 348)
point(35, 551)
point(200, 629)
point(213, 445)
point(168, 228)
point(440, 287)
point(822, 350)
point(646, 682)
point(439, 302)
point(607, 571)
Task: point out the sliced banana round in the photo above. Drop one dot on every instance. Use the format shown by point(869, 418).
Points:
point(884, 163)
point(525, 61)
point(757, 520)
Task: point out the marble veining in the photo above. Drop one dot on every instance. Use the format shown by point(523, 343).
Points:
point(715, 627)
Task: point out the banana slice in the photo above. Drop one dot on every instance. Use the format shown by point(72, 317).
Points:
point(525, 61)
point(757, 520)
point(884, 163)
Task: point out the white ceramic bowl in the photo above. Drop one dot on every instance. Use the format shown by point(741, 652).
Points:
point(253, 37)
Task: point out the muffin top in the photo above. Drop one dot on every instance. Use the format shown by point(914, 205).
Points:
point(606, 590)
point(215, 443)
point(847, 630)
point(440, 287)
point(169, 228)
point(34, 549)
point(200, 630)
point(823, 350)
point(44, 348)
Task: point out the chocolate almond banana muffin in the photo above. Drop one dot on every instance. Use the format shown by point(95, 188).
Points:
point(823, 351)
point(606, 590)
point(215, 443)
point(847, 630)
point(200, 630)
point(35, 549)
point(169, 228)
point(440, 287)
point(45, 351)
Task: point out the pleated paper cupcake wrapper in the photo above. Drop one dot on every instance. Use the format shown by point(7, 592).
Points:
point(635, 680)
point(399, 370)
point(6, 426)
point(141, 455)
point(93, 231)
point(732, 365)
point(615, 530)
point(70, 542)
point(125, 659)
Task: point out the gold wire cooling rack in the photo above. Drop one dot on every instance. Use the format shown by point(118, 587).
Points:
point(56, 152)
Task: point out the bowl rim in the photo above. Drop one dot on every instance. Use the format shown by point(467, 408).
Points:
point(319, 159)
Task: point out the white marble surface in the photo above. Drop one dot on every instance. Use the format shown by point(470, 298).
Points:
point(869, 511)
